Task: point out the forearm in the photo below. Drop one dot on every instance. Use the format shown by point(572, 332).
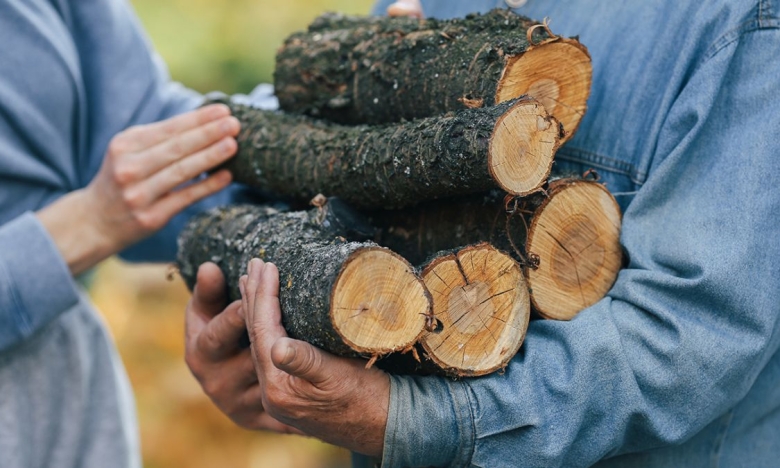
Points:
point(69, 223)
point(617, 379)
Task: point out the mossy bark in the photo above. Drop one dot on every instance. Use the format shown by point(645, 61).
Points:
point(373, 166)
point(376, 70)
point(305, 246)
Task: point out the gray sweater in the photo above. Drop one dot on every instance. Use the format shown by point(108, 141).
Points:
point(72, 75)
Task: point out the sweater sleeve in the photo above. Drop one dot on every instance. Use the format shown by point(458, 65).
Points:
point(72, 75)
point(35, 283)
point(684, 332)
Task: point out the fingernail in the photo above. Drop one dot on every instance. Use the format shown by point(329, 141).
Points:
point(289, 355)
point(241, 285)
point(249, 268)
point(256, 264)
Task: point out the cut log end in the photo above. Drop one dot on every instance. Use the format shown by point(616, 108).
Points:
point(379, 305)
point(576, 236)
point(558, 74)
point(482, 308)
point(522, 148)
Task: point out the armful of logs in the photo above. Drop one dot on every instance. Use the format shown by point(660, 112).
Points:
point(443, 134)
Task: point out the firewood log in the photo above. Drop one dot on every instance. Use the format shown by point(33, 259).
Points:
point(348, 298)
point(376, 70)
point(567, 238)
point(509, 146)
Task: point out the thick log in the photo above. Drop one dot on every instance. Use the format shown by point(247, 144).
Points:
point(575, 234)
point(509, 146)
point(377, 70)
point(349, 298)
point(481, 306)
point(567, 239)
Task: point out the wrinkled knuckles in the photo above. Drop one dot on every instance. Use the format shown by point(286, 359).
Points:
point(214, 388)
point(306, 359)
point(210, 342)
point(118, 147)
point(125, 174)
point(179, 172)
point(277, 404)
point(149, 221)
point(176, 147)
point(134, 199)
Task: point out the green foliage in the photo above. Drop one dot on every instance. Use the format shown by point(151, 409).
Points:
point(229, 45)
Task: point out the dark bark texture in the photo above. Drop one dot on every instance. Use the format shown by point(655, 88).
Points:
point(424, 231)
point(376, 70)
point(367, 166)
point(305, 246)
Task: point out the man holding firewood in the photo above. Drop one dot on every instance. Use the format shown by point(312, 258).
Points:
point(678, 366)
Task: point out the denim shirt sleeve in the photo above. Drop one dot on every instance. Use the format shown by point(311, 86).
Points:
point(687, 327)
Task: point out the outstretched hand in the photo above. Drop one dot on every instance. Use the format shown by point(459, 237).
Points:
point(334, 399)
point(222, 367)
point(139, 187)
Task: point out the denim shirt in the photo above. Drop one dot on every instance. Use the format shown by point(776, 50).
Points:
point(678, 366)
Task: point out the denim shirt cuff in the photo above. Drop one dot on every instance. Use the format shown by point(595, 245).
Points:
point(35, 283)
point(429, 423)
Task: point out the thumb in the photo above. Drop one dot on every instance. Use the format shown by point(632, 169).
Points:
point(210, 294)
point(302, 360)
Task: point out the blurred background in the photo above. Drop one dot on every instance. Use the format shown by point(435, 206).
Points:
point(209, 45)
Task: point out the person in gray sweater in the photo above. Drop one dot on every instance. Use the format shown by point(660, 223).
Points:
point(95, 144)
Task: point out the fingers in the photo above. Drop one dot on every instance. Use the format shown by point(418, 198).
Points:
point(411, 8)
point(180, 146)
point(185, 168)
point(143, 137)
point(220, 338)
point(263, 314)
point(161, 212)
point(302, 360)
point(208, 299)
point(210, 295)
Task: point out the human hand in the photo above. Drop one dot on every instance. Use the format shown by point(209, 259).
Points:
point(334, 399)
point(138, 189)
point(406, 8)
point(222, 367)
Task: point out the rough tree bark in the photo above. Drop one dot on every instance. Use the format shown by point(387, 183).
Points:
point(510, 146)
point(567, 239)
point(349, 298)
point(377, 70)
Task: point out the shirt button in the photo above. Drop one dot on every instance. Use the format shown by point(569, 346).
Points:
point(516, 3)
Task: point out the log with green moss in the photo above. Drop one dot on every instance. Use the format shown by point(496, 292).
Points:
point(509, 146)
point(376, 70)
point(349, 298)
point(567, 238)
